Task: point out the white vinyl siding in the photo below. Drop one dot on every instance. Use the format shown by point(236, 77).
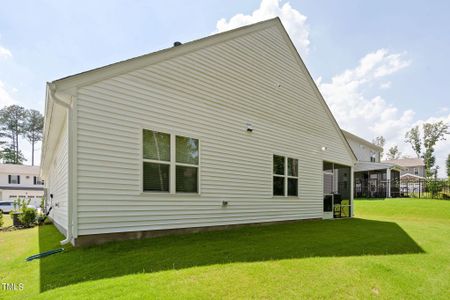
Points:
point(57, 182)
point(210, 94)
point(364, 153)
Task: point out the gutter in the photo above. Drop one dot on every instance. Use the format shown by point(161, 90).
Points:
point(68, 107)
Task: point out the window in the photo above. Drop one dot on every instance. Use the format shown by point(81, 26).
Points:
point(38, 181)
point(373, 156)
point(285, 176)
point(186, 164)
point(416, 171)
point(170, 163)
point(14, 179)
point(278, 175)
point(156, 161)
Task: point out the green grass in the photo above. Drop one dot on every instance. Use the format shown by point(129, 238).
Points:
point(394, 249)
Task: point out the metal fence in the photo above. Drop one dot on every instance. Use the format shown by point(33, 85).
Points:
point(416, 188)
point(425, 188)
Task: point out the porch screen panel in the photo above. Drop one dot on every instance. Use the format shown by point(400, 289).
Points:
point(343, 176)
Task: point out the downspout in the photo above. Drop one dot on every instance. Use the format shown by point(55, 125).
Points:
point(68, 107)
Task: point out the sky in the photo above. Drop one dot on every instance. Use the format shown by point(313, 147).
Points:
point(381, 66)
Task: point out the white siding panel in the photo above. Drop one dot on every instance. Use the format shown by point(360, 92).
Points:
point(210, 94)
point(363, 152)
point(57, 182)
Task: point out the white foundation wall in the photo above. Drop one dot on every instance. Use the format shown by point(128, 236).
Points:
point(210, 94)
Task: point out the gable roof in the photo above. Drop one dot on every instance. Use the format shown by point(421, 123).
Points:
point(69, 83)
point(372, 166)
point(349, 135)
point(407, 162)
point(409, 176)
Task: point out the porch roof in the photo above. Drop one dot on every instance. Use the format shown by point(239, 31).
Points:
point(372, 166)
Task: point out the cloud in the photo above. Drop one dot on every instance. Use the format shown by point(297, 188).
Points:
point(5, 53)
point(354, 110)
point(369, 117)
point(385, 85)
point(5, 96)
point(292, 19)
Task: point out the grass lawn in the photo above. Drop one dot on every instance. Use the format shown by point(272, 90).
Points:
point(396, 248)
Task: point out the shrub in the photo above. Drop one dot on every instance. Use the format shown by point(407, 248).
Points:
point(27, 216)
point(1, 219)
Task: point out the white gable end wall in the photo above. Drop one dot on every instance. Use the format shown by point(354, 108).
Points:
point(363, 152)
point(209, 94)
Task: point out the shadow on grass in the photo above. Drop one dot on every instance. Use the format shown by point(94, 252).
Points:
point(350, 237)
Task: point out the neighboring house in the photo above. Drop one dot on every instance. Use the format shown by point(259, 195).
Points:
point(410, 166)
point(373, 179)
point(364, 150)
point(229, 129)
point(412, 174)
point(20, 181)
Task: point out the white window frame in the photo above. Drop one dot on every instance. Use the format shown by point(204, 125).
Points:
point(172, 162)
point(286, 176)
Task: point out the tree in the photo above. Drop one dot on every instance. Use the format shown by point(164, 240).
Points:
point(10, 156)
point(413, 138)
point(379, 141)
point(393, 153)
point(432, 133)
point(34, 123)
point(12, 120)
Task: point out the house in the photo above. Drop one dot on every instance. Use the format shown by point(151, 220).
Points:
point(20, 181)
point(412, 175)
point(413, 167)
point(226, 130)
point(373, 179)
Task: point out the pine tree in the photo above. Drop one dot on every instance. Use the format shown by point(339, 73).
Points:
point(34, 123)
point(12, 119)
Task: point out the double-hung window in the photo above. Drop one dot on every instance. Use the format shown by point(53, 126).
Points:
point(186, 164)
point(37, 180)
point(285, 176)
point(170, 163)
point(14, 179)
point(156, 167)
